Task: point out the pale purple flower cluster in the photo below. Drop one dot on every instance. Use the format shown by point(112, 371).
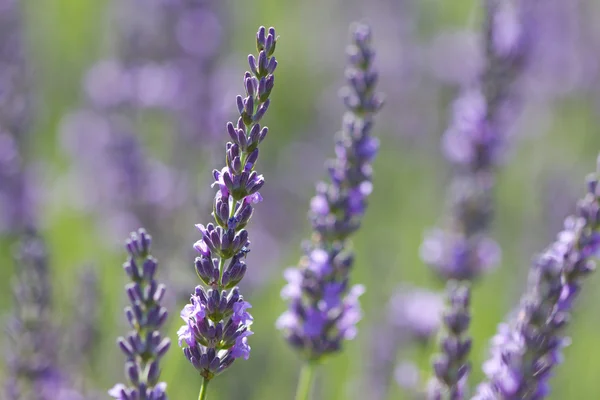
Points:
point(159, 65)
point(129, 188)
point(194, 63)
point(324, 309)
point(143, 345)
point(16, 208)
point(16, 211)
point(32, 356)
point(416, 311)
point(217, 324)
point(474, 143)
point(525, 351)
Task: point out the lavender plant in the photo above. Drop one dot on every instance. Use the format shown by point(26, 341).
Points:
point(323, 309)
point(525, 350)
point(32, 359)
point(158, 68)
point(217, 323)
point(474, 144)
point(16, 211)
point(143, 345)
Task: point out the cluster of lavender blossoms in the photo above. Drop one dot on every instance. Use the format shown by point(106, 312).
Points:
point(217, 324)
point(323, 309)
point(474, 144)
point(32, 357)
point(143, 345)
point(160, 68)
point(16, 211)
point(525, 350)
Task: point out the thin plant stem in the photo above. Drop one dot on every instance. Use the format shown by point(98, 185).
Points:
point(203, 389)
point(305, 383)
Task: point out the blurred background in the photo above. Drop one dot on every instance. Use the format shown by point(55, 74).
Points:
point(126, 106)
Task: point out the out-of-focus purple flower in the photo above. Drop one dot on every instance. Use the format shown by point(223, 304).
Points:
point(324, 309)
point(526, 349)
point(159, 65)
point(143, 345)
point(456, 256)
point(475, 143)
point(456, 57)
point(128, 186)
point(16, 209)
point(217, 323)
point(417, 312)
point(15, 100)
point(32, 356)
point(16, 196)
point(414, 315)
point(408, 376)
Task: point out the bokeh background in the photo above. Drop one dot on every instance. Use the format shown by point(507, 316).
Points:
point(425, 51)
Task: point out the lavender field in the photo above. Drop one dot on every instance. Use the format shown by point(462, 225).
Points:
point(386, 199)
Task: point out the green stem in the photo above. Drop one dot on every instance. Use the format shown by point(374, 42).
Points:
point(221, 268)
point(203, 389)
point(305, 382)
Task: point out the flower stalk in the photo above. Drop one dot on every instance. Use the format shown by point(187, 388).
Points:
point(217, 323)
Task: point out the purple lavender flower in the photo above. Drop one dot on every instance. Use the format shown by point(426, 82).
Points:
point(417, 312)
point(16, 211)
point(159, 65)
point(475, 143)
point(414, 316)
point(32, 355)
point(143, 345)
point(452, 367)
point(526, 349)
point(217, 323)
point(324, 309)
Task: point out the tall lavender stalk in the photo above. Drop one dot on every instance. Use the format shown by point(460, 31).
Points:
point(15, 119)
point(474, 144)
point(527, 348)
point(217, 324)
point(143, 345)
point(32, 367)
point(323, 309)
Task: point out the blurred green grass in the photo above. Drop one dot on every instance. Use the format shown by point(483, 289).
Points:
point(408, 198)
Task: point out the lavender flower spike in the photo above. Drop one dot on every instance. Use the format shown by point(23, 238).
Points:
point(16, 195)
point(525, 350)
point(474, 143)
point(323, 309)
point(32, 358)
point(451, 367)
point(217, 324)
point(143, 346)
